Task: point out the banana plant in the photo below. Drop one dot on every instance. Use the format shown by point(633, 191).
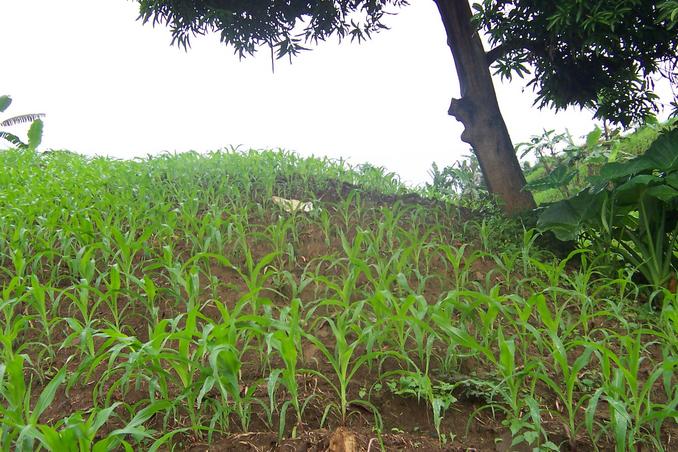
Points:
point(34, 131)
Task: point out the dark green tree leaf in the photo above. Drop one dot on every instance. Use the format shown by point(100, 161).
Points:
point(672, 180)
point(35, 130)
point(597, 54)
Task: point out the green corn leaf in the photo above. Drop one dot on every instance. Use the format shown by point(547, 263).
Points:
point(207, 386)
point(28, 434)
point(507, 352)
point(52, 440)
point(590, 412)
point(132, 427)
point(149, 288)
point(271, 385)
point(115, 278)
point(104, 445)
point(545, 314)
point(47, 395)
point(15, 389)
point(620, 420)
point(164, 439)
point(582, 361)
point(102, 416)
point(225, 362)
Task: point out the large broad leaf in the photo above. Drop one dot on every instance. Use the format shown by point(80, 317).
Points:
point(5, 102)
point(672, 180)
point(632, 190)
point(664, 151)
point(662, 155)
point(35, 134)
point(616, 170)
point(663, 192)
point(567, 218)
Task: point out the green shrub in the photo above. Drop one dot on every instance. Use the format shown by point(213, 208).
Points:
point(631, 208)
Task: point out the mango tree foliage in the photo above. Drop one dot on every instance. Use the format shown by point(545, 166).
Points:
point(598, 54)
point(284, 25)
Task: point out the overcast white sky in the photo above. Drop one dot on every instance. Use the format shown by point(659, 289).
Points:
point(111, 86)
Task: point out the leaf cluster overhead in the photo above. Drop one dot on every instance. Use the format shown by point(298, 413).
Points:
point(285, 25)
point(598, 54)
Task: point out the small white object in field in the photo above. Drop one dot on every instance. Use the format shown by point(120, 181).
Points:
point(292, 205)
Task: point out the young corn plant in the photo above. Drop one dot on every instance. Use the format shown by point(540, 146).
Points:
point(513, 394)
point(224, 358)
point(286, 340)
point(39, 302)
point(345, 361)
point(636, 414)
point(565, 383)
point(75, 433)
point(20, 422)
point(461, 263)
point(439, 396)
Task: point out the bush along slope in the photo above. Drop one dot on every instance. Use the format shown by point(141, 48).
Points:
point(630, 208)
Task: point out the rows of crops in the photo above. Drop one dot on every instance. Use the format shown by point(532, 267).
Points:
point(167, 302)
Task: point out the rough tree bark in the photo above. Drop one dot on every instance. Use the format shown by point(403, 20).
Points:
point(478, 109)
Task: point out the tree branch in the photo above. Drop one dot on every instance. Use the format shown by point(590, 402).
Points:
point(502, 49)
point(493, 55)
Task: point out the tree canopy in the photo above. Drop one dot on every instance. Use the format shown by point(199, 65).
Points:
point(596, 54)
point(285, 25)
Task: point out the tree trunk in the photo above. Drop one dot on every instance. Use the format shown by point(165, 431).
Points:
point(478, 109)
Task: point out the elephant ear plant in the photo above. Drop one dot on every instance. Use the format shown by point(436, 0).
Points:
point(630, 208)
point(34, 131)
